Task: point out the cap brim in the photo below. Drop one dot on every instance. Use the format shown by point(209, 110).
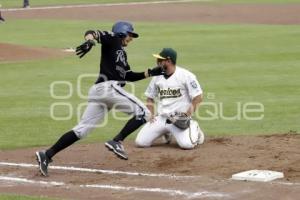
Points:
point(158, 56)
point(133, 34)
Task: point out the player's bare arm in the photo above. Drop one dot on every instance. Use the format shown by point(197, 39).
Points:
point(195, 102)
point(150, 105)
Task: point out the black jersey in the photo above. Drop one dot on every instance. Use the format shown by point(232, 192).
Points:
point(113, 64)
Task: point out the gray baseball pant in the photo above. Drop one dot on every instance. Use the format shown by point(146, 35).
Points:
point(101, 99)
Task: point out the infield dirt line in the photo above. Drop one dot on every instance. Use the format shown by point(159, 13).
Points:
point(80, 169)
point(103, 5)
point(168, 191)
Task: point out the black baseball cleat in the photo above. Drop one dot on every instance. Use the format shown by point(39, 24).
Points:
point(43, 162)
point(117, 148)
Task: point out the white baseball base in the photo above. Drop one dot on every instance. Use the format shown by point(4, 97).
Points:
point(257, 175)
point(69, 50)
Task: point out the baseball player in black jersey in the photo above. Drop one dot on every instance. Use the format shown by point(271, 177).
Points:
point(107, 92)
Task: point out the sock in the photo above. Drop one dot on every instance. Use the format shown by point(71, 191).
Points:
point(66, 140)
point(130, 127)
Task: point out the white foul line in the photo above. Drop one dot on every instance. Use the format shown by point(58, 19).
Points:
point(103, 5)
point(171, 192)
point(285, 183)
point(24, 180)
point(26, 165)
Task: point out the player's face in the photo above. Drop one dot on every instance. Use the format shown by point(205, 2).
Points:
point(126, 40)
point(162, 63)
point(159, 62)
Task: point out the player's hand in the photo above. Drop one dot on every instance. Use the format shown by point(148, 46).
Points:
point(152, 119)
point(84, 48)
point(156, 71)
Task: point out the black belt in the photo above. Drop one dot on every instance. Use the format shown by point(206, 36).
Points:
point(120, 83)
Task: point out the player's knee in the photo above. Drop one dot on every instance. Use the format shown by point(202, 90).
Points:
point(82, 131)
point(80, 135)
point(139, 142)
point(186, 145)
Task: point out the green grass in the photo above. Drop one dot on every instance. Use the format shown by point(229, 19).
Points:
point(34, 3)
point(235, 63)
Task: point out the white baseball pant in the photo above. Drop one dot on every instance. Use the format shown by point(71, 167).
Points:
point(101, 99)
point(186, 139)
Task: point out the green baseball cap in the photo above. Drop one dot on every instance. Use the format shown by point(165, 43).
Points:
point(167, 53)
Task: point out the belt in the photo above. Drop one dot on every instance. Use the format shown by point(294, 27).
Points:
point(121, 84)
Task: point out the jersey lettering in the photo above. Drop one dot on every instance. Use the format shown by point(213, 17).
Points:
point(169, 93)
point(121, 57)
point(113, 64)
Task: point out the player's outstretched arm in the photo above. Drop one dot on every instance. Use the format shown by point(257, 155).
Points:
point(86, 46)
point(136, 76)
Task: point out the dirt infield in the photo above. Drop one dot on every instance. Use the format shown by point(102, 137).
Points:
point(163, 171)
point(11, 52)
point(178, 12)
point(203, 173)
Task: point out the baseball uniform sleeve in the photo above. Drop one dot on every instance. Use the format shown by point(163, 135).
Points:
point(193, 86)
point(103, 37)
point(151, 91)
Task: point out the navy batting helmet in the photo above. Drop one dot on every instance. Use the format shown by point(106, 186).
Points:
point(123, 29)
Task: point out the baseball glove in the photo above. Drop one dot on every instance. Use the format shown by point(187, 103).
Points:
point(156, 71)
point(180, 120)
point(85, 47)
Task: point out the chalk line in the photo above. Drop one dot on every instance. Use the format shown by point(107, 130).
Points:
point(172, 192)
point(80, 169)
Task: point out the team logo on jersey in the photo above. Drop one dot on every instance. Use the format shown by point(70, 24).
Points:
point(121, 57)
point(169, 93)
point(194, 84)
